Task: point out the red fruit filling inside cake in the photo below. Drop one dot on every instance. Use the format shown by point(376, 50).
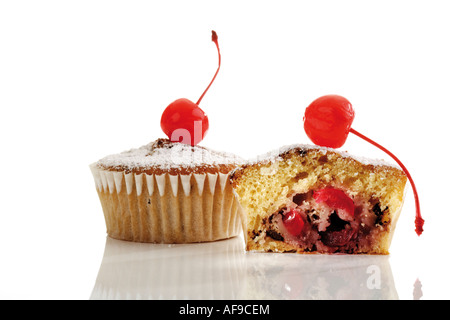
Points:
point(327, 220)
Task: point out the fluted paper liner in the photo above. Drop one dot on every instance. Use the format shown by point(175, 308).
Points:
point(167, 208)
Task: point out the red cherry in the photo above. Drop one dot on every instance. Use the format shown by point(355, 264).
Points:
point(336, 199)
point(328, 119)
point(327, 122)
point(293, 222)
point(183, 120)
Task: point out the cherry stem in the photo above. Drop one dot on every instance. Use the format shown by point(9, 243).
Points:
point(214, 39)
point(419, 221)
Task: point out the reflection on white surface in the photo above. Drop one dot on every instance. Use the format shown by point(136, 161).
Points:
point(212, 270)
point(293, 276)
point(223, 270)
point(417, 293)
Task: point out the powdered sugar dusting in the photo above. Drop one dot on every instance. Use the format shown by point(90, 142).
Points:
point(276, 155)
point(165, 155)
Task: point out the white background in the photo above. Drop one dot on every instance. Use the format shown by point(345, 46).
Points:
point(83, 79)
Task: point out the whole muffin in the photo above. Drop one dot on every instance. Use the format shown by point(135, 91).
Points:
point(168, 192)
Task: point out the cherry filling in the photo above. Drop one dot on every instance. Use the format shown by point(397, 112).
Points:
point(338, 200)
point(325, 220)
point(338, 234)
point(293, 222)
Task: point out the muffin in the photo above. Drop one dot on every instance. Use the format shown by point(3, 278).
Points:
point(166, 192)
point(310, 199)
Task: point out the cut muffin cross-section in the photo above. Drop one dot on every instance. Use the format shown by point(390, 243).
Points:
point(309, 199)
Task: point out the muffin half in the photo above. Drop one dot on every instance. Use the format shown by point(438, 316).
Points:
point(310, 199)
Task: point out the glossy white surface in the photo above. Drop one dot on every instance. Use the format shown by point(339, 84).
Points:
point(222, 270)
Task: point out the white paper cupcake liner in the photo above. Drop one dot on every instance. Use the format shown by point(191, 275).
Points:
point(167, 208)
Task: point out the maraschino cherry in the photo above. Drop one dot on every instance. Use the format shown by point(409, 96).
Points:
point(327, 122)
point(328, 119)
point(183, 120)
point(338, 200)
point(293, 222)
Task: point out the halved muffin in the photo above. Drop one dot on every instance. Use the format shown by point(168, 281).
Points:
point(310, 199)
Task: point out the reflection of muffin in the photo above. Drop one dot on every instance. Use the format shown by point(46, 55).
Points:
point(130, 270)
point(322, 277)
point(168, 192)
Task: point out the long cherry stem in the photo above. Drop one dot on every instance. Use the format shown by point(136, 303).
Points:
point(419, 221)
point(214, 39)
